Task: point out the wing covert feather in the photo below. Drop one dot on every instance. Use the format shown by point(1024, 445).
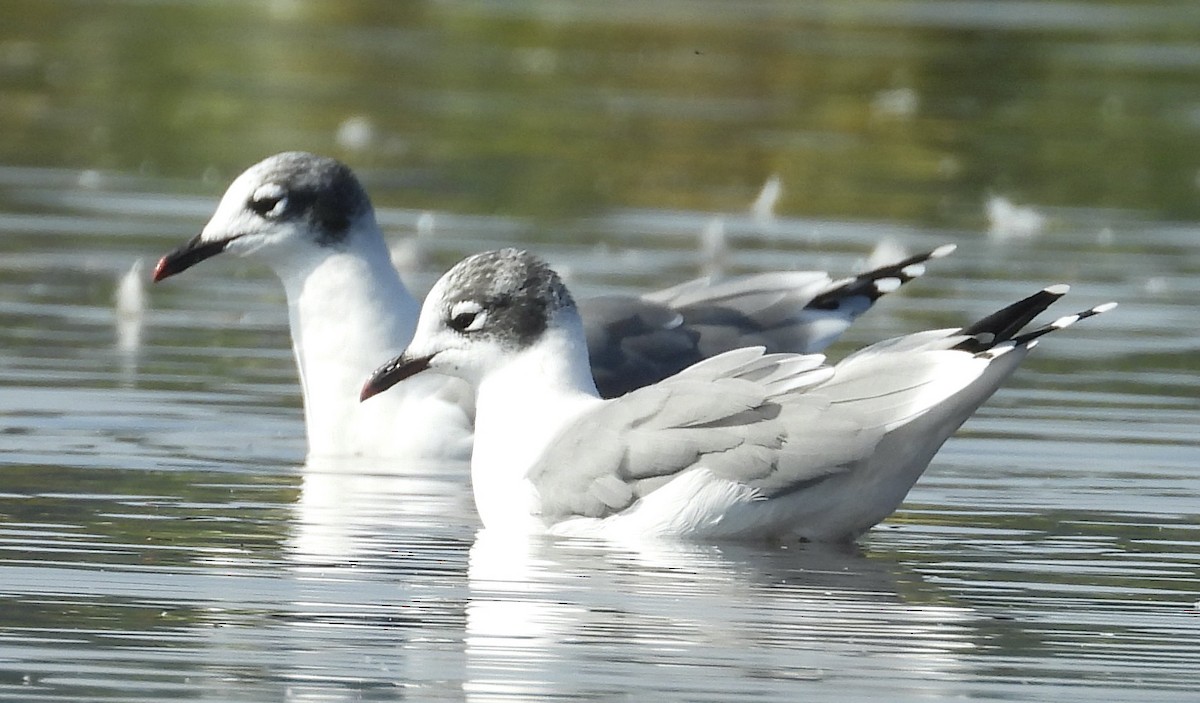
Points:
point(707, 416)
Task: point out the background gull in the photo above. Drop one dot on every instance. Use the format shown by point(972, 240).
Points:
point(310, 220)
point(744, 445)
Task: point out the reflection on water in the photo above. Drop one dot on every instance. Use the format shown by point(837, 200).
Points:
point(669, 611)
point(345, 510)
point(161, 539)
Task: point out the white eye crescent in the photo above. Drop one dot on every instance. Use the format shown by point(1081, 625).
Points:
point(270, 200)
point(466, 316)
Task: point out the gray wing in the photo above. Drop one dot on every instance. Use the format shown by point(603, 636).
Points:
point(782, 423)
point(727, 414)
point(637, 341)
point(951, 371)
point(633, 343)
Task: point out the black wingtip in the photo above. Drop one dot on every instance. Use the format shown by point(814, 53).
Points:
point(878, 282)
point(1006, 323)
point(1062, 323)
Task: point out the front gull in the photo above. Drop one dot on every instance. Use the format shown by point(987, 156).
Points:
point(744, 445)
point(309, 219)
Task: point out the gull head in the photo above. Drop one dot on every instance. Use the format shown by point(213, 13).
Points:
point(488, 308)
point(287, 205)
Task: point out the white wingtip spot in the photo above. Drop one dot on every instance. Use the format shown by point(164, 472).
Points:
point(1104, 307)
point(943, 250)
point(913, 270)
point(1065, 321)
point(887, 285)
point(998, 351)
point(1057, 289)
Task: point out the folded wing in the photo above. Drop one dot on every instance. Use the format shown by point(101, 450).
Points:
point(634, 342)
point(841, 446)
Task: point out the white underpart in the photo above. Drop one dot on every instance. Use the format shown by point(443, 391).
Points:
point(349, 313)
point(518, 419)
point(696, 504)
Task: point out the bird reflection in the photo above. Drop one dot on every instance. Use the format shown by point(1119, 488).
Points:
point(351, 509)
point(577, 618)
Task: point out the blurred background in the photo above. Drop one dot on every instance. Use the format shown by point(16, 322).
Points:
point(909, 110)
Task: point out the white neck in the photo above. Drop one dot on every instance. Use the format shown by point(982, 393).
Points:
point(520, 408)
point(349, 314)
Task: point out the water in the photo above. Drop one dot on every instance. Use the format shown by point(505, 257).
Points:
point(161, 538)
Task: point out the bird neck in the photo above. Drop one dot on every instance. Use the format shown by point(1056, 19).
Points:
point(349, 313)
point(520, 408)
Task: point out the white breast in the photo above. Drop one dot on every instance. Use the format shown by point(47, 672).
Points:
point(521, 407)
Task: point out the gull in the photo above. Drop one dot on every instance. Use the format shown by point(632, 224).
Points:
point(1007, 221)
point(129, 298)
point(745, 445)
point(762, 210)
point(309, 219)
point(635, 341)
point(311, 222)
point(714, 248)
point(129, 301)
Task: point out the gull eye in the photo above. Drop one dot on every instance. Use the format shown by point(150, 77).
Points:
point(466, 316)
point(269, 201)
